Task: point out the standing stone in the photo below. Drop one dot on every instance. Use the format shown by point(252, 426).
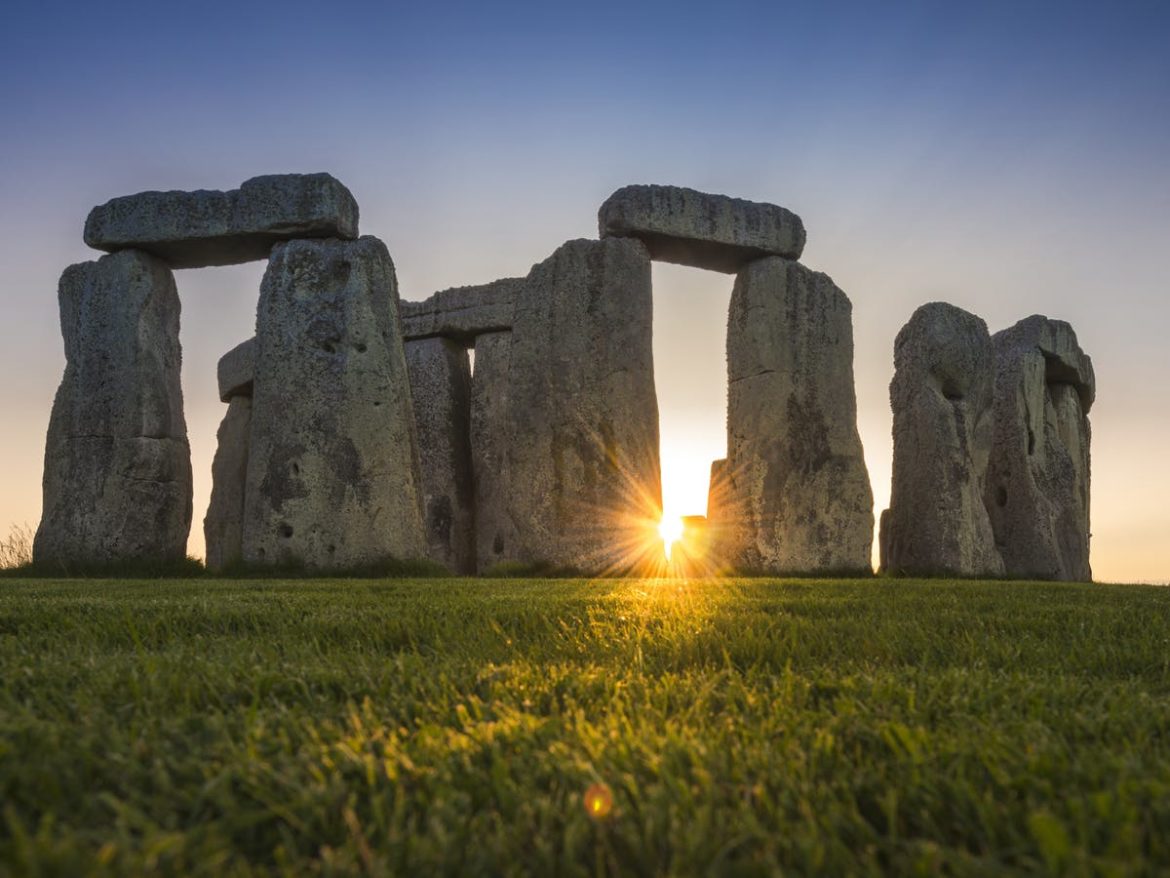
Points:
point(205, 227)
point(1038, 484)
point(495, 531)
point(333, 479)
point(799, 496)
point(699, 229)
point(440, 387)
point(223, 528)
point(582, 478)
point(117, 481)
point(941, 396)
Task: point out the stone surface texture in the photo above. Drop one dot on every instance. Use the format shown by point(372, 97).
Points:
point(1037, 491)
point(333, 477)
point(235, 371)
point(440, 387)
point(580, 486)
point(117, 479)
point(495, 531)
point(941, 396)
point(799, 498)
point(194, 229)
point(462, 313)
point(701, 230)
point(223, 526)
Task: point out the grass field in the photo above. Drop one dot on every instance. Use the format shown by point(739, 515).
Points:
point(453, 727)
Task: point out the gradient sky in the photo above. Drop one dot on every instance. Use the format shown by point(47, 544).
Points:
point(1010, 158)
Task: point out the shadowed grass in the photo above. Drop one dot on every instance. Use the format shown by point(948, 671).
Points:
point(451, 726)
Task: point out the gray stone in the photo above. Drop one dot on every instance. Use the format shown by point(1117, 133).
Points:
point(440, 386)
point(462, 313)
point(705, 231)
point(235, 371)
point(333, 479)
point(1038, 483)
point(495, 531)
point(941, 396)
point(194, 229)
point(581, 486)
point(799, 495)
point(223, 527)
point(117, 480)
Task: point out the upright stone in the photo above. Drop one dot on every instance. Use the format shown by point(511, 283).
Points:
point(699, 229)
point(333, 479)
point(1038, 483)
point(440, 386)
point(495, 531)
point(223, 527)
point(584, 486)
point(799, 499)
point(117, 480)
point(194, 229)
point(941, 396)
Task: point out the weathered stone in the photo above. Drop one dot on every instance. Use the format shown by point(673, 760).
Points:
point(580, 487)
point(440, 386)
point(117, 481)
point(705, 231)
point(194, 229)
point(799, 496)
point(941, 395)
point(462, 313)
point(495, 531)
point(235, 371)
point(223, 527)
point(1037, 491)
point(333, 478)
point(884, 541)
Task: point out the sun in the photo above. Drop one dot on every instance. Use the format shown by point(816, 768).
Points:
point(671, 530)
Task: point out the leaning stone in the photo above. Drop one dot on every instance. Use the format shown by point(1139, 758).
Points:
point(194, 229)
point(117, 480)
point(941, 396)
point(440, 387)
point(799, 499)
point(701, 230)
point(583, 488)
point(462, 313)
point(1038, 482)
point(223, 528)
point(235, 371)
point(496, 538)
point(333, 480)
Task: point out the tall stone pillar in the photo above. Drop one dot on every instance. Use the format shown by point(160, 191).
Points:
point(117, 480)
point(798, 498)
point(333, 479)
point(440, 387)
point(941, 396)
point(1037, 491)
point(495, 531)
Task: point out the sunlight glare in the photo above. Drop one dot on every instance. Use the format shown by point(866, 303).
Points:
point(670, 529)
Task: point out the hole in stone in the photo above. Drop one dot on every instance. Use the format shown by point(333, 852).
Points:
point(1031, 442)
point(690, 377)
point(328, 347)
point(377, 402)
point(285, 530)
point(296, 468)
point(260, 554)
point(331, 549)
point(1001, 496)
point(360, 348)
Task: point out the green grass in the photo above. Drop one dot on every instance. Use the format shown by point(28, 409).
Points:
point(744, 727)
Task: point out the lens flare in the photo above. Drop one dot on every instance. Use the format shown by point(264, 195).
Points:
point(598, 801)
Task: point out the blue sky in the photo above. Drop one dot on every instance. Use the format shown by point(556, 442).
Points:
point(1010, 158)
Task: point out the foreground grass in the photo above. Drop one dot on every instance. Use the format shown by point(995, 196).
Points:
point(452, 726)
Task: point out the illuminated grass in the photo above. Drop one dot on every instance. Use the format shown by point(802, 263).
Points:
point(455, 726)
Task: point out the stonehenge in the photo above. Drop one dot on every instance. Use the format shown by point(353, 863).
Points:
point(117, 479)
point(196, 229)
point(941, 395)
point(991, 449)
point(514, 424)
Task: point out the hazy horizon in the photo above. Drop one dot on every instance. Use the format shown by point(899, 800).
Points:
point(1010, 161)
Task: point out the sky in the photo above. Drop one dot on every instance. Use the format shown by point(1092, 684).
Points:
point(1010, 158)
